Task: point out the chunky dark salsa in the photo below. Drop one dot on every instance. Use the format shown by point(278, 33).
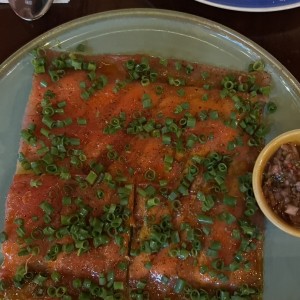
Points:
point(281, 183)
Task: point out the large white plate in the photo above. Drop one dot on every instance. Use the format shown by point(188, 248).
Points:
point(253, 5)
point(168, 34)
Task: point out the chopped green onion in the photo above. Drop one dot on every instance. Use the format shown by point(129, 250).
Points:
point(257, 66)
point(159, 90)
point(191, 122)
point(91, 177)
point(77, 283)
point(46, 207)
point(229, 200)
point(148, 265)
point(179, 286)
point(227, 217)
point(214, 115)
point(100, 194)
point(204, 219)
point(35, 183)
point(55, 276)
point(81, 121)
point(153, 202)
point(150, 175)
point(118, 285)
point(39, 279)
point(271, 107)
point(181, 92)
point(146, 100)
point(164, 279)
point(205, 97)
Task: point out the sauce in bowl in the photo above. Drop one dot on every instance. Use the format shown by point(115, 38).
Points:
point(281, 183)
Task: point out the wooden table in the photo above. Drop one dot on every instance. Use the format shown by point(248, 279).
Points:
point(277, 32)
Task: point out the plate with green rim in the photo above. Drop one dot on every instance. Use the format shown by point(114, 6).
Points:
point(166, 34)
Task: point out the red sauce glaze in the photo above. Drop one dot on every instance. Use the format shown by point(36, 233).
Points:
point(100, 186)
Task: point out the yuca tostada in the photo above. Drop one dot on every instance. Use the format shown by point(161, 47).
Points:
point(134, 181)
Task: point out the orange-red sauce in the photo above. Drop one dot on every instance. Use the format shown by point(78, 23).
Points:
point(212, 241)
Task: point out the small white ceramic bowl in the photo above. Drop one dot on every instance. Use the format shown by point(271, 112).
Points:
point(259, 167)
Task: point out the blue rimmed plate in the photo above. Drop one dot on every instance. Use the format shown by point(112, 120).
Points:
point(253, 5)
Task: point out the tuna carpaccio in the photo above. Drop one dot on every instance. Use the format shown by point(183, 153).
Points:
point(134, 181)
